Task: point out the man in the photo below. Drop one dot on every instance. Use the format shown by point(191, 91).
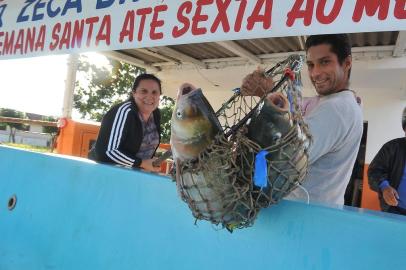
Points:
point(334, 119)
point(387, 174)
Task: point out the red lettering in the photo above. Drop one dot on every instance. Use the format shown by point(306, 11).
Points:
point(327, 19)
point(1, 42)
point(143, 12)
point(199, 17)
point(30, 40)
point(128, 27)
point(104, 31)
point(296, 13)
point(40, 44)
point(371, 7)
point(65, 40)
point(256, 15)
point(240, 15)
point(20, 42)
point(221, 16)
point(8, 43)
point(187, 8)
point(400, 9)
point(91, 21)
point(157, 23)
point(55, 36)
point(77, 36)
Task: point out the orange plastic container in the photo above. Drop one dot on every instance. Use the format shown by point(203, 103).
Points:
point(77, 137)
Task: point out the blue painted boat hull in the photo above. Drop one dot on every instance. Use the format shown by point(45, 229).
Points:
point(75, 214)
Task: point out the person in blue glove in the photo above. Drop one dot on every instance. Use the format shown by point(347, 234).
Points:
point(387, 174)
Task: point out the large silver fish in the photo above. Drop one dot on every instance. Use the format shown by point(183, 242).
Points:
point(272, 129)
point(203, 176)
point(193, 125)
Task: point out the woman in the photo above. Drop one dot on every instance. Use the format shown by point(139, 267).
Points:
point(130, 131)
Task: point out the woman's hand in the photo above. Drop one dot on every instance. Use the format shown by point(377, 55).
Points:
point(146, 164)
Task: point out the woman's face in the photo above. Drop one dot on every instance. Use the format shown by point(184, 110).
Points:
point(146, 96)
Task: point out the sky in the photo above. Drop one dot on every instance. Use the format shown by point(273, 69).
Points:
point(37, 85)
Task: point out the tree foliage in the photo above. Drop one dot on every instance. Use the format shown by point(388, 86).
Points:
point(13, 126)
point(49, 129)
point(166, 106)
point(102, 88)
point(105, 88)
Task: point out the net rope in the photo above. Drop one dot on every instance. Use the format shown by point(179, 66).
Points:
point(219, 185)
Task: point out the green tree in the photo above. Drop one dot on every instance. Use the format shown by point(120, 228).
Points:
point(13, 126)
point(166, 106)
point(49, 129)
point(102, 88)
point(53, 131)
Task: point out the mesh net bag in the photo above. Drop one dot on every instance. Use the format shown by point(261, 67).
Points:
point(211, 187)
point(225, 184)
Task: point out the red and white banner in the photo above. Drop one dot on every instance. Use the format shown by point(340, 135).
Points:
point(41, 27)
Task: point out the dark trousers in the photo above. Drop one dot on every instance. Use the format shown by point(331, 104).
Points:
point(397, 210)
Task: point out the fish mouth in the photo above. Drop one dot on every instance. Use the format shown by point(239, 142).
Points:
point(186, 89)
point(278, 102)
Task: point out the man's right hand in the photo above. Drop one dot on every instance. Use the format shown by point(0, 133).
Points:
point(256, 84)
point(390, 195)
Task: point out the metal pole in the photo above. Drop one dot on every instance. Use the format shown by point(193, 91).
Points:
point(70, 82)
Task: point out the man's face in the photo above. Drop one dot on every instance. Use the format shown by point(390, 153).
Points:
point(325, 71)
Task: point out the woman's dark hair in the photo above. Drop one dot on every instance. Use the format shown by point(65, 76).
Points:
point(404, 119)
point(145, 76)
point(340, 45)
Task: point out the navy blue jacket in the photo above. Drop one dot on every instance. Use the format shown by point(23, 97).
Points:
point(388, 165)
point(120, 135)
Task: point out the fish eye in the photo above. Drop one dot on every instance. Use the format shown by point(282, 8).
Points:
point(179, 114)
point(277, 136)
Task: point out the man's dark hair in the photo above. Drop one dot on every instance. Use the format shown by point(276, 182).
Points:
point(340, 45)
point(404, 119)
point(145, 76)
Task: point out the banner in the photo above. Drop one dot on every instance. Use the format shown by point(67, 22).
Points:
point(42, 27)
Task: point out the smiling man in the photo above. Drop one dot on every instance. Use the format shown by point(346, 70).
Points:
point(334, 119)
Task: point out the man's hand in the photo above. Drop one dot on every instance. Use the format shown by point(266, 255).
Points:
point(146, 164)
point(390, 195)
point(256, 84)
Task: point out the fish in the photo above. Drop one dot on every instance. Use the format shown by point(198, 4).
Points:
point(193, 125)
point(273, 129)
point(272, 122)
point(204, 177)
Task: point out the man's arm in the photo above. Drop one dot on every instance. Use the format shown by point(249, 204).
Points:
point(378, 170)
point(378, 176)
